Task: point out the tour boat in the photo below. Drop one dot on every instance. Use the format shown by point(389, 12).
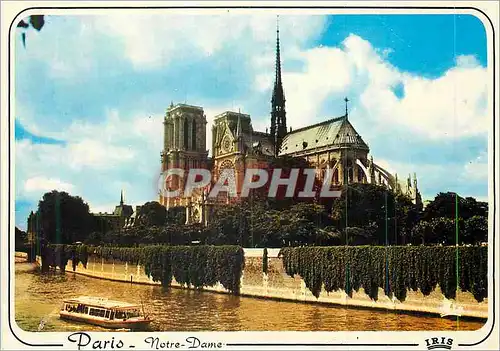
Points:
point(104, 313)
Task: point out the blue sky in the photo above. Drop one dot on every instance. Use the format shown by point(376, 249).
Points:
point(91, 92)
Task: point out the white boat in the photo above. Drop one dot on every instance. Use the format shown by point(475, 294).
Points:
point(104, 313)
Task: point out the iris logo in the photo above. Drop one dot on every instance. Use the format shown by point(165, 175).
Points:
point(442, 343)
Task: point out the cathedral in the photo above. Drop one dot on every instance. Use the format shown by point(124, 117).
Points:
point(331, 144)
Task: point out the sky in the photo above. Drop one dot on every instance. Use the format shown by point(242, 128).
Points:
point(91, 93)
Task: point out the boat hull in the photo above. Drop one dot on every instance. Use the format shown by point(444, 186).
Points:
point(106, 323)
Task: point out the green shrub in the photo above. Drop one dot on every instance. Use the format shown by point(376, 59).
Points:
point(198, 266)
point(395, 269)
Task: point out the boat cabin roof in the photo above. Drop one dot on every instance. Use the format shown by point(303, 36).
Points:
point(101, 302)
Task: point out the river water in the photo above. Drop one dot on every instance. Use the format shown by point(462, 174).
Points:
point(38, 299)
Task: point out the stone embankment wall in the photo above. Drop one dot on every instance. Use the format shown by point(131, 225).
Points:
point(276, 284)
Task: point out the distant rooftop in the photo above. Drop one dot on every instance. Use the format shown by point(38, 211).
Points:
point(232, 113)
point(176, 106)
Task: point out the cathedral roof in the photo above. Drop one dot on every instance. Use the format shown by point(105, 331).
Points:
point(260, 142)
point(336, 132)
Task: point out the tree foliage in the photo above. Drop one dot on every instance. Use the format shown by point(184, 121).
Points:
point(21, 240)
point(395, 269)
point(152, 214)
point(365, 214)
point(196, 266)
point(384, 216)
point(64, 218)
point(445, 205)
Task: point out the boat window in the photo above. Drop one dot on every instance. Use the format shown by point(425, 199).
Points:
point(132, 313)
point(120, 315)
point(71, 307)
point(86, 310)
point(112, 315)
point(93, 312)
point(102, 313)
point(107, 314)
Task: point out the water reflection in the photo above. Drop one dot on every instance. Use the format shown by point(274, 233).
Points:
point(39, 297)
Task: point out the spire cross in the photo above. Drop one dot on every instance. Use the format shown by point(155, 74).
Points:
point(346, 101)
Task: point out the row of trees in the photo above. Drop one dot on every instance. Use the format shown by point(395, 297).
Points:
point(365, 214)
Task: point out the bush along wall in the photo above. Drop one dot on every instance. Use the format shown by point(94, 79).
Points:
point(395, 269)
point(198, 266)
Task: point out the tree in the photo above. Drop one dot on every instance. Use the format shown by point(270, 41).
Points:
point(445, 205)
point(407, 216)
point(64, 218)
point(176, 215)
point(476, 230)
point(386, 216)
point(152, 214)
point(422, 233)
point(100, 225)
point(302, 223)
point(21, 240)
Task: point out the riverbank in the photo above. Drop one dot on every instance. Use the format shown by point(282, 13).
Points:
point(277, 285)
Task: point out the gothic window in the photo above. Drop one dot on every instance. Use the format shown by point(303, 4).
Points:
point(186, 133)
point(226, 164)
point(193, 136)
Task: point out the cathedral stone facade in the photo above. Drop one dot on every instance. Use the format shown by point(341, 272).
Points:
point(332, 144)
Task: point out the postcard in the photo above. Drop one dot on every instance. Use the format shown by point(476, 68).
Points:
point(249, 175)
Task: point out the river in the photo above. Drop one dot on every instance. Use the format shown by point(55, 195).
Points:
point(38, 298)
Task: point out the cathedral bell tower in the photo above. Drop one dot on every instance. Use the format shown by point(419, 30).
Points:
point(278, 113)
point(184, 146)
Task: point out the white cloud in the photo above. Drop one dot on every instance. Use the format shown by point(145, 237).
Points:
point(97, 154)
point(477, 169)
point(450, 106)
point(467, 61)
point(42, 184)
point(100, 159)
point(154, 40)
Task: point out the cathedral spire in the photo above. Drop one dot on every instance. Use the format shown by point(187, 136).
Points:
point(346, 101)
point(121, 198)
point(278, 114)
